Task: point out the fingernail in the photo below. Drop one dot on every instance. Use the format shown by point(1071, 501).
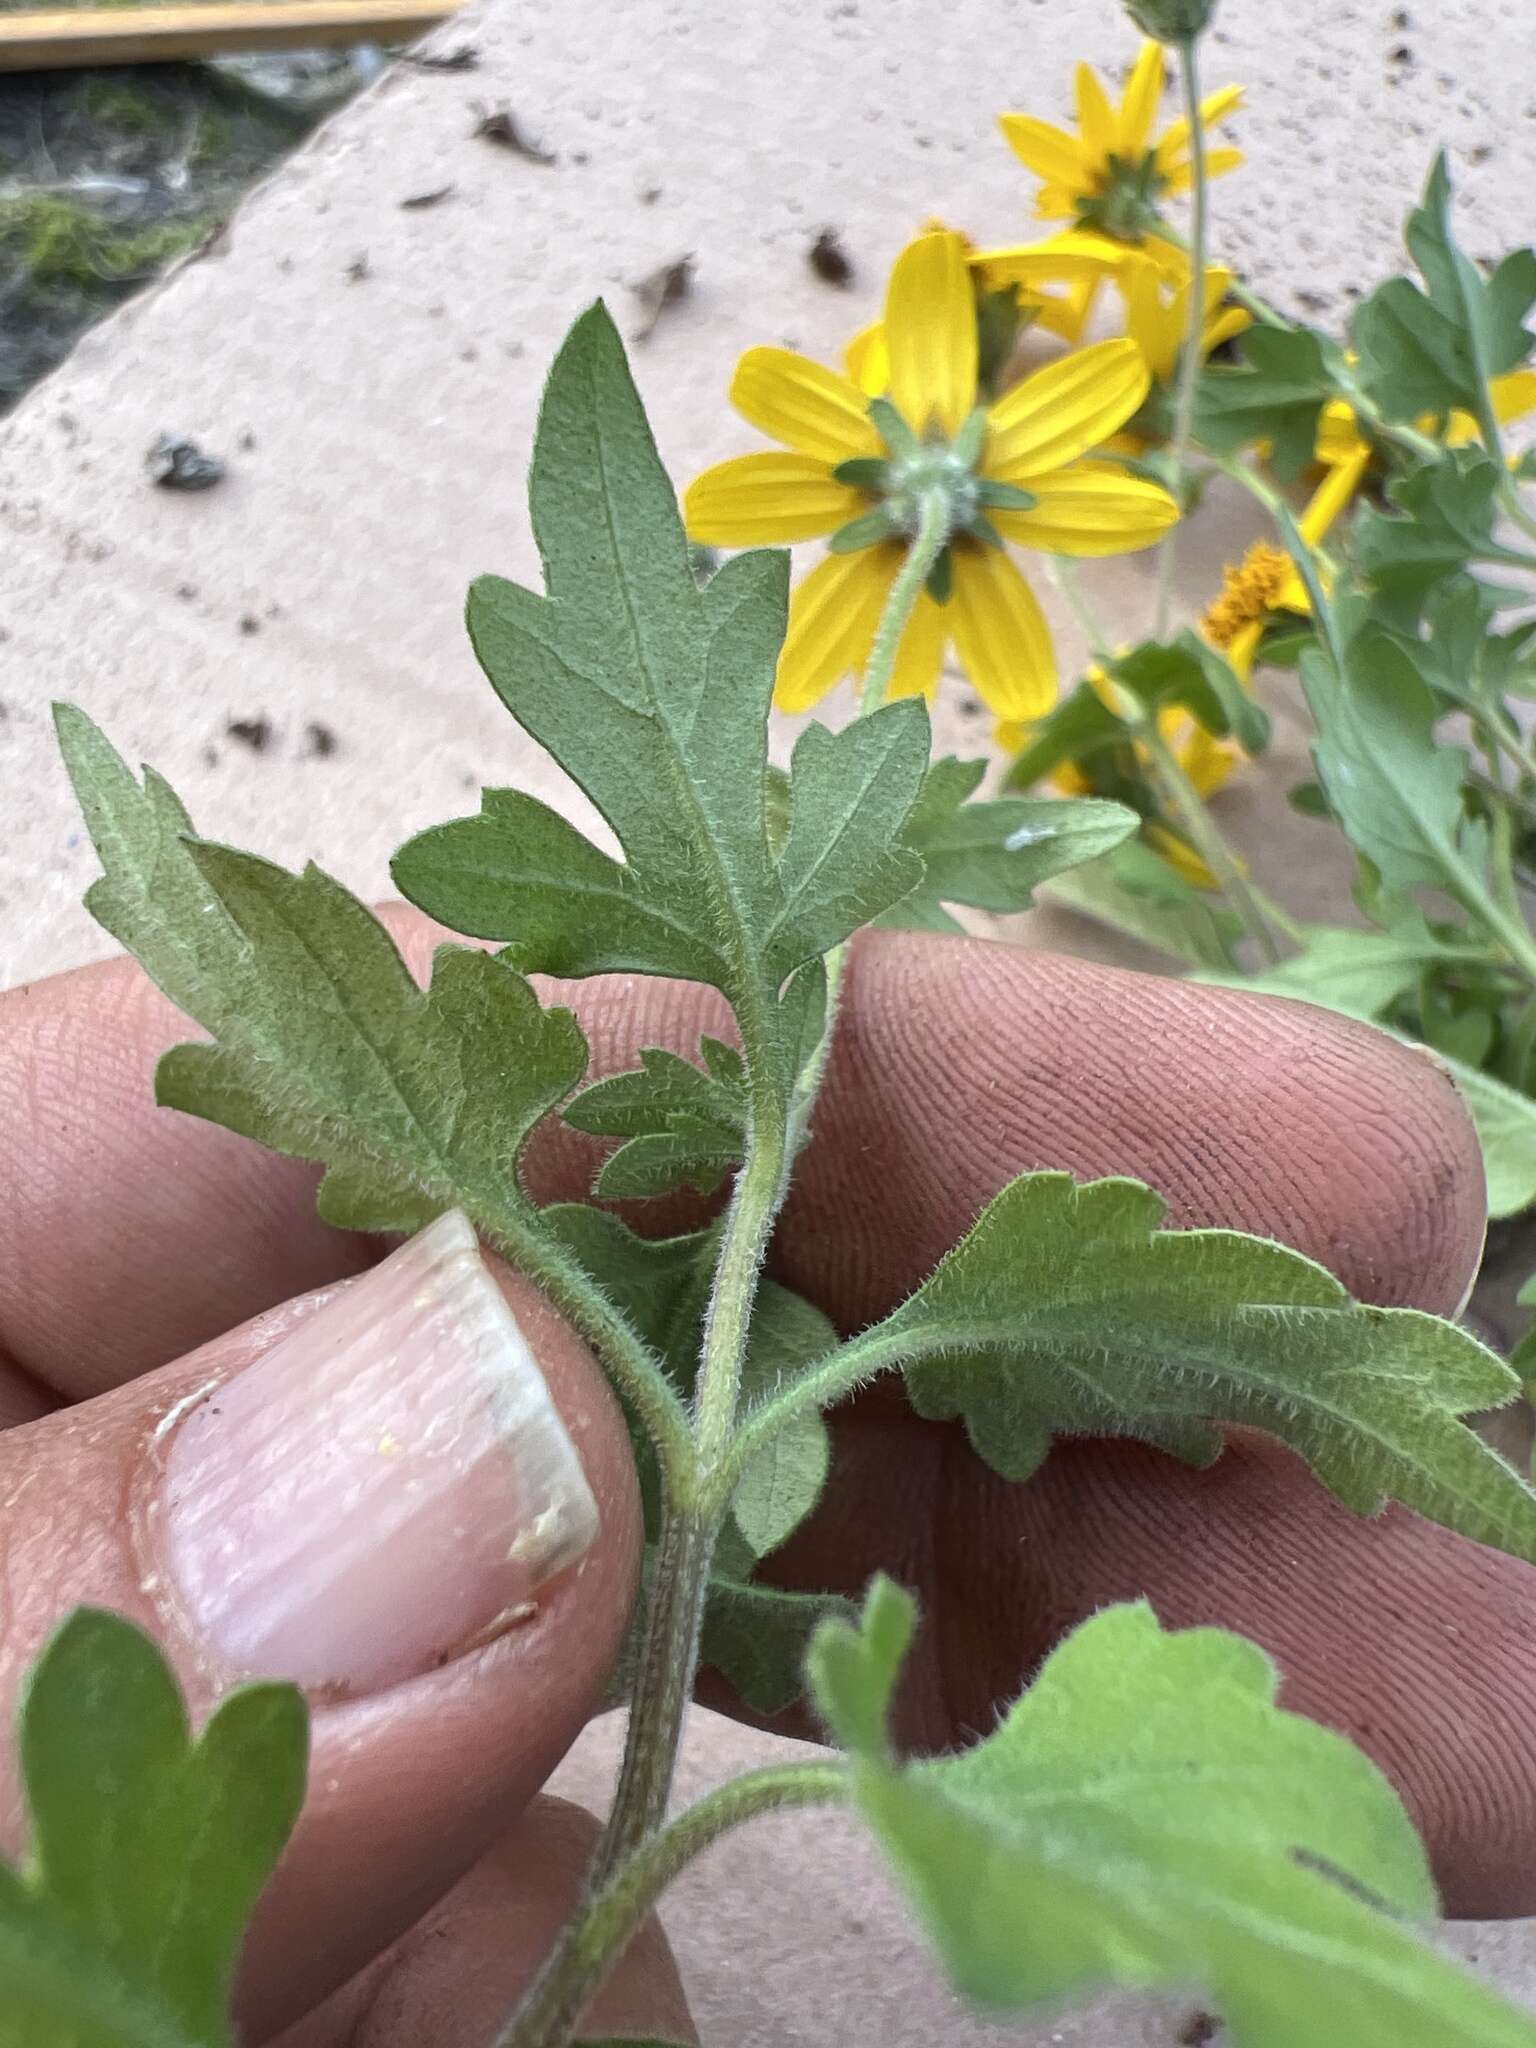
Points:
point(386, 1486)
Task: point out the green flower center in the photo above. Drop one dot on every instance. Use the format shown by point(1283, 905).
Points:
point(914, 469)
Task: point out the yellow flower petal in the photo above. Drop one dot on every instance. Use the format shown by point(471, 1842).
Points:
point(1067, 779)
point(1180, 856)
point(1143, 93)
point(1214, 109)
point(1152, 322)
point(1096, 118)
point(1242, 649)
point(1067, 256)
point(1206, 760)
point(1090, 508)
point(1340, 482)
point(868, 360)
point(1339, 438)
point(1217, 163)
point(766, 498)
point(920, 655)
point(1000, 634)
point(930, 330)
point(833, 614)
point(1513, 395)
point(1060, 412)
point(1231, 320)
point(1066, 317)
point(1048, 151)
point(806, 406)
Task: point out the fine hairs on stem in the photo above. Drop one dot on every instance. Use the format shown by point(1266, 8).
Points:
point(635, 1857)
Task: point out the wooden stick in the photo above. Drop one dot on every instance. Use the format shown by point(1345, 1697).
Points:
point(61, 38)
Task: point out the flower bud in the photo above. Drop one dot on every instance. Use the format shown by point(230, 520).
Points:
point(1171, 21)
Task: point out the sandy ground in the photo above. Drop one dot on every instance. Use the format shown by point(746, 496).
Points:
point(370, 370)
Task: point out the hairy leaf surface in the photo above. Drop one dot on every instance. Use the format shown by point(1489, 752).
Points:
point(1147, 1816)
point(323, 1045)
point(653, 694)
point(149, 1849)
point(1068, 1309)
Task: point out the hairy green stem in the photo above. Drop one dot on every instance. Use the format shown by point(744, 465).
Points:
point(1260, 308)
point(753, 1211)
point(670, 1647)
point(639, 1375)
point(595, 1940)
point(1194, 326)
point(846, 1369)
point(663, 1686)
point(935, 523)
point(932, 536)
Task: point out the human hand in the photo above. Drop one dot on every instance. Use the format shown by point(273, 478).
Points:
point(1288, 1121)
point(384, 1487)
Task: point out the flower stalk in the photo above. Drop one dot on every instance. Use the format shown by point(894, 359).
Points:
point(1190, 356)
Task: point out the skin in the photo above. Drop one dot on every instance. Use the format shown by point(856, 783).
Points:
point(133, 1236)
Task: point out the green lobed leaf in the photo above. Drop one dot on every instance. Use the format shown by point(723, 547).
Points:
point(1394, 789)
point(1188, 672)
point(1434, 350)
point(756, 1638)
point(684, 1125)
point(324, 1047)
point(1285, 378)
point(654, 694)
point(1068, 1309)
point(149, 1849)
point(1080, 726)
point(1147, 1816)
point(784, 1481)
point(1443, 519)
point(993, 855)
point(1357, 972)
point(1133, 891)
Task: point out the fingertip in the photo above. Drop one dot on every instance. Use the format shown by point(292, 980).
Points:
point(961, 1063)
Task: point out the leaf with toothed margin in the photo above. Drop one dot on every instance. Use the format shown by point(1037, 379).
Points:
point(1068, 1309)
point(149, 1847)
point(1435, 349)
point(993, 855)
point(1146, 1815)
point(324, 1047)
point(683, 1125)
point(653, 694)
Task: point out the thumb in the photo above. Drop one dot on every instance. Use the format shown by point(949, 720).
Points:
point(413, 1495)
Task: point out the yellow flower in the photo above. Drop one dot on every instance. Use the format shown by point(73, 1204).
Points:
point(1266, 580)
point(1513, 395)
point(1157, 313)
point(1111, 174)
point(1077, 262)
point(855, 469)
